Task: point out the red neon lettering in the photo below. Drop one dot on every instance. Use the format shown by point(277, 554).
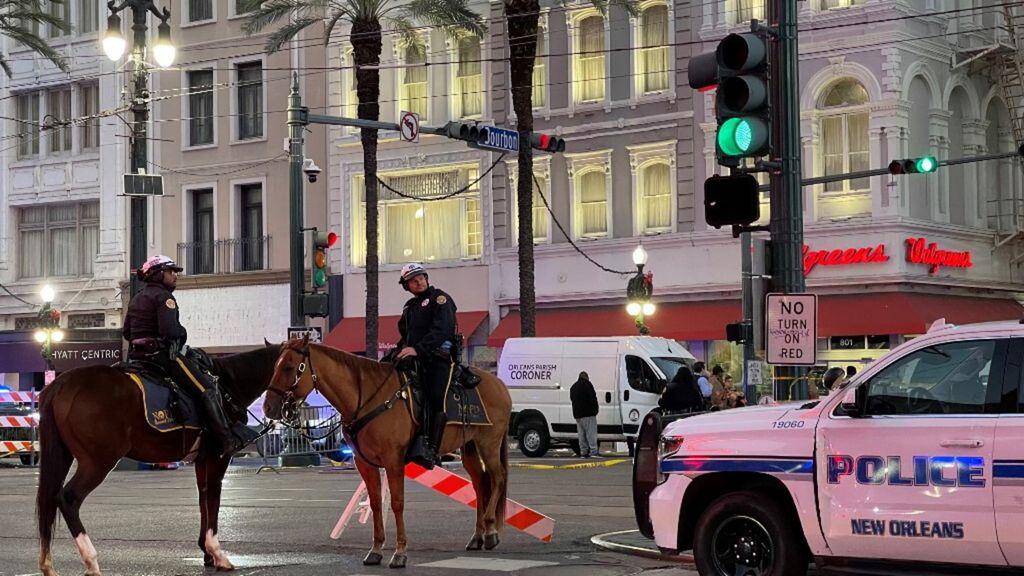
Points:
point(919, 251)
point(842, 257)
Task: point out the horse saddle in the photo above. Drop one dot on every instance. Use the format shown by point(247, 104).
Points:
point(167, 408)
point(462, 405)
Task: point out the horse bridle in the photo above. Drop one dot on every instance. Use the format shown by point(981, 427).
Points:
point(290, 406)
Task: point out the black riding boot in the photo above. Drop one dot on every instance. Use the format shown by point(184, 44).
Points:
point(437, 424)
point(217, 421)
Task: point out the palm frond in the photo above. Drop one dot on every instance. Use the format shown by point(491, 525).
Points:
point(408, 36)
point(271, 11)
point(332, 22)
point(282, 35)
point(26, 37)
point(452, 15)
point(5, 66)
point(631, 6)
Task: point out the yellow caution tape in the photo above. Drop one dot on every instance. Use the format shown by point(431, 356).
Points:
point(575, 466)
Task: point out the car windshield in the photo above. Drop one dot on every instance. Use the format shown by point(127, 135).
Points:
point(669, 365)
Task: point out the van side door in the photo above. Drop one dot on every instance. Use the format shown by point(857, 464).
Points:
point(640, 393)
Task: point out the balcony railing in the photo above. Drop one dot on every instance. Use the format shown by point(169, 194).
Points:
point(226, 255)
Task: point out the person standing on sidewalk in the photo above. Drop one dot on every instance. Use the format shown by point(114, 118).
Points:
point(584, 409)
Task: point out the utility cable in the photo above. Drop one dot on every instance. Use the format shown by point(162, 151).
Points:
point(447, 195)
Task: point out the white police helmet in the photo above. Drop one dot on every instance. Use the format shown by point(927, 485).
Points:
point(410, 271)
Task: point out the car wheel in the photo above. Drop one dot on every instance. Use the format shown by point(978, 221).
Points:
point(746, 534)
point(534, 439)
point(27, 460)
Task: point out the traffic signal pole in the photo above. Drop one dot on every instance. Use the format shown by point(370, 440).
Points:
point(787, 225)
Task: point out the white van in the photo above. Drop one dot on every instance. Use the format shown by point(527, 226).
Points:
point(628, 373)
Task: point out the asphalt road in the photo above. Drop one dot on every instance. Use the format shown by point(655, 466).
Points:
point(146, 522)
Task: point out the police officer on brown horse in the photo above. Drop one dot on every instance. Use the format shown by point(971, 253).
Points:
point(428, 333)
point(155, 335)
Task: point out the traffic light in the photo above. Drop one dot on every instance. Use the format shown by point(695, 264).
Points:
point(463, 131)
point(318, 264)
point(546, 142)
point(738, 332)
point(922, 165)
point(731, 200)
point(738, 68)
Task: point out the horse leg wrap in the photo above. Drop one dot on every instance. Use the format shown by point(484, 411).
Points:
point(220, 560)
point(88, 553)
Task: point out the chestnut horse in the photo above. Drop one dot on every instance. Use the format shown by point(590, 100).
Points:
point(359, 387)
point(95, 416)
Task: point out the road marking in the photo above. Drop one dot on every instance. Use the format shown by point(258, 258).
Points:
point(575, 466)
point(491, 564)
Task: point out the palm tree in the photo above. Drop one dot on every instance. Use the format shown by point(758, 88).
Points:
point(20, 21)
point(365, 18)
point(522, 17)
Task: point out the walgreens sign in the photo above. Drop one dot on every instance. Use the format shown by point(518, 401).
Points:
point(919, 251)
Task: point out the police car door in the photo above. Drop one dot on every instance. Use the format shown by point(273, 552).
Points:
point(1008, 459)
point(912, 479)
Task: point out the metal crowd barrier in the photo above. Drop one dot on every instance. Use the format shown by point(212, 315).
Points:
point(318, 432)
point(19, 432)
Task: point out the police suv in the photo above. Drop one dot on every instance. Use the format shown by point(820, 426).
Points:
point(917, 465)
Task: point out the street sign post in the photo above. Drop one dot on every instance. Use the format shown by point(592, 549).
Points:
point(409, 126)
point(316, 333)
point(499, 139)
point(792, 326)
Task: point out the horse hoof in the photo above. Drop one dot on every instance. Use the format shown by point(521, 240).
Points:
point(490, 541)
point(475, 543)
point(398, 561)
point(373, 559)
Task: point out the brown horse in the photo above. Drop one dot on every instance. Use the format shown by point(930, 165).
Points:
point(95, 416)
point(359, 387)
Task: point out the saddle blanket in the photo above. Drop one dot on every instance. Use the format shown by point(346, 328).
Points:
point(463, 406)
point(166, 409)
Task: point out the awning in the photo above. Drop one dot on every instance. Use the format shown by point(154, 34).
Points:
point(350, 334)
point(704, 320)
point(906, 313)
point(838, 315)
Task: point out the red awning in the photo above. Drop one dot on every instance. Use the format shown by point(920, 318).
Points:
point(906, 313)
point(838, 315)
point(350, 334)
point(676, 320)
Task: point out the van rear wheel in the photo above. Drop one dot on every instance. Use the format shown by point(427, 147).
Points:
point(747, 534)
point(534, 439)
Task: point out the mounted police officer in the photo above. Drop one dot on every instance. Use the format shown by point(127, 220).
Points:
point(428, 333)
point(155, 335)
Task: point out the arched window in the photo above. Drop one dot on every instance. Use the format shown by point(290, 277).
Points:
point(592, 203)
point(844, 134)
point(540, 76)
point(414, 80)
point(589, 68)
point(653, 54)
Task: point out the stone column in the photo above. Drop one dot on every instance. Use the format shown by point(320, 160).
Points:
point(938, 182)
point(974, 174)
point(811, 135)
point(877, 185)
point(1009, 197)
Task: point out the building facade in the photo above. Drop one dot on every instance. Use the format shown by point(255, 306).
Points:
point(61, 220)
point(222, 149)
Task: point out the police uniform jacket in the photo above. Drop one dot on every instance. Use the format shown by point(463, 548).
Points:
point(153, 313)
point(428, 320)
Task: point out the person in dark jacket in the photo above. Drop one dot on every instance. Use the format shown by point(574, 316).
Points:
point(428, 329)
point(584, 409)
point(682, 394)
point(155, 335)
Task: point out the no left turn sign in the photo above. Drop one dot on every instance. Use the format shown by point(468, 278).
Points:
point(409, 126)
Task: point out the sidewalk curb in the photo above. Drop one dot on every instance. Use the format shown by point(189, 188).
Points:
point(602, 541)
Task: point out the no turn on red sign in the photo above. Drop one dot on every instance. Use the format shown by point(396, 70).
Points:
point(792, 327)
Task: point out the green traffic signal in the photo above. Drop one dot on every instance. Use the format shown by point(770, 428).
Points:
point(742, 136)
point(319, 278)
point(926, 164)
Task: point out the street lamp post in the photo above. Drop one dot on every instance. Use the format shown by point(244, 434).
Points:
point(639, 290)
point(163, 52)
point(48, 331)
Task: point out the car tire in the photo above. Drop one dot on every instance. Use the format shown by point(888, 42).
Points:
point(27, 459)
point(534, 439)
point(745, 529)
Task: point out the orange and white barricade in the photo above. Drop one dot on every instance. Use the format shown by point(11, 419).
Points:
point(12, 446)
point(457, 488)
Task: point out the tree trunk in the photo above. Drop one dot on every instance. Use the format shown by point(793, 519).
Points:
point(522, 17)
point(366, 47)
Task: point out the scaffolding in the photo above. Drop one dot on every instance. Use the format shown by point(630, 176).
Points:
point(1001, 58)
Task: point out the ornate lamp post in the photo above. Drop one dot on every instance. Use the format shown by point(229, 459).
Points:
point(49, 330)
point(639, 290)
point(164, 52)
